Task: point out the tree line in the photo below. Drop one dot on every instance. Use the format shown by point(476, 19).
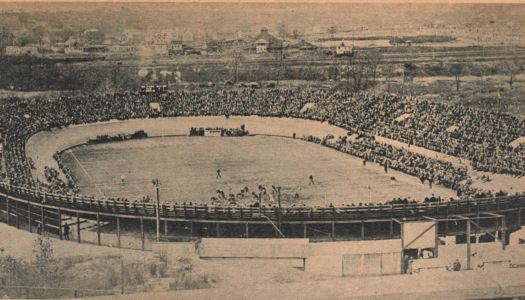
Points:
point(358, 73)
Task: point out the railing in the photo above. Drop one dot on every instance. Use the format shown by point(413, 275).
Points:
point(289, 214)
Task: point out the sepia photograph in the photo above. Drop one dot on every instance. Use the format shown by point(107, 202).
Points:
point(262, 150)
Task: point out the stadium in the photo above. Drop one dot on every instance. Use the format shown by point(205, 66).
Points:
point(316, 165)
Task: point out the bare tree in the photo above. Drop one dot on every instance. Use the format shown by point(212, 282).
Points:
point(236, 60)
point(388, 72)
point(458, 70)
point(409, 71)
point(373, 60)
point(512, 68)
point(357, 69)
point(332, 30)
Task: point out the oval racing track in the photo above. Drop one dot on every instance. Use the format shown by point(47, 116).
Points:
point(201, 220)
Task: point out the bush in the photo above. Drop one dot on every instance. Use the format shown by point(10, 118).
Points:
point(153, 269)
point(187, 278)
point(135, 274)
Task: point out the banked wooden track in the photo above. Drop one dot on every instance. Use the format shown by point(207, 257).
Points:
point(34, 207)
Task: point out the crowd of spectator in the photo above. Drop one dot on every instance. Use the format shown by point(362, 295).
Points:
point(425, 168)
point(482, 137)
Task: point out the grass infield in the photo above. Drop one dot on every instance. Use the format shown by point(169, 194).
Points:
point(187, 169)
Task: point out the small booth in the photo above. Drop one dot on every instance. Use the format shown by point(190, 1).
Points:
point(213, 132)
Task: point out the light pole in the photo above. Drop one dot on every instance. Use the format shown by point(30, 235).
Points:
point(156, 183)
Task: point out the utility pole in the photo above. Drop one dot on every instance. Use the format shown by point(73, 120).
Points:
point(260, 203)
point(156, 183)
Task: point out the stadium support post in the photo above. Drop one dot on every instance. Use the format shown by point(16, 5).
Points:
point(17, 219)
point(437, 241)
point(166, 230)
point(43, 221)
point(142, 232)
point(304, 229)
point(118, 232)
point(78, 228)
point(218, 230)
point(503, 233)
point(402, 246)
point(279, 200)
point(7, 206)
point(98, 228)
point(121, 274)
point(391, 228)
point(468, 245)
point(29, 216)
point(362, 230)
point(59, 224)
point(247, 230)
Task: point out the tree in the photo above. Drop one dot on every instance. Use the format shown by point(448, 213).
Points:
point(37, 34)
point(236, 60)
point(511, 68)
point(6, 38)
point(283, 32)
point(458, 70)
point(388, 72)
point(332, 30)
point(333, 72)
point(372, 61)
point(409, 71)
point(357, 70)
point(295, 33)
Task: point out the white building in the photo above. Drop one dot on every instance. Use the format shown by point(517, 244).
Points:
point(344, 50)
point(261, 46)
point(175, 46)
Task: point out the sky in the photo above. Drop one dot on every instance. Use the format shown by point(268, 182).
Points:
point(292, 14)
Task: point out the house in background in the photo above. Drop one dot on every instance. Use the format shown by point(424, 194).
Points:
point(343, 50)
point(261, 46)
point(265, 42)
point(301, 46)
point(93, 37)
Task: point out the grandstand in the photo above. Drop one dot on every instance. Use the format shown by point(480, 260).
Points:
point(54, 197)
